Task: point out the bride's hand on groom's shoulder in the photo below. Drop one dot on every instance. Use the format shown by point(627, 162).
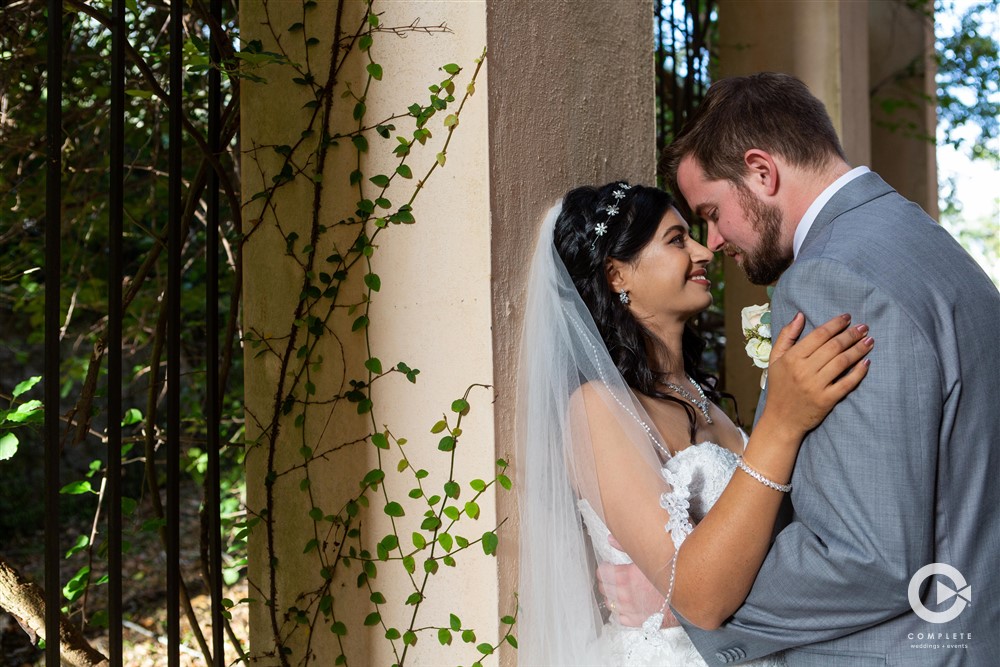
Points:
point(808, 377)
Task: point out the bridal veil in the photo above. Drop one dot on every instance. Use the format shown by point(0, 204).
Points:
point(561, 618)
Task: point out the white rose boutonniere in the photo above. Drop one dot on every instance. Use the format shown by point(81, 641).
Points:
point(757, 332)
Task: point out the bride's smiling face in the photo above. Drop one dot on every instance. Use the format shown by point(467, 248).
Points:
point(668, 278)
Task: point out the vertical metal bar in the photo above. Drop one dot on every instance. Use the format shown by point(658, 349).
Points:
point(213, 398)
point(174, 246)
point(53, 262)
point(115, 213)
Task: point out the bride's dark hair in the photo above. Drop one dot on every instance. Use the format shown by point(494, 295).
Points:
point(585, 256)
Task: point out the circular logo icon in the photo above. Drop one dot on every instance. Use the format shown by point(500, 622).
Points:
point(961, 591)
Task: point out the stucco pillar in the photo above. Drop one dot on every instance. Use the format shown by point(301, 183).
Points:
point(903, 100)
point(825, 44)
point(570, 103)
point(562, 100)
point(432, 311)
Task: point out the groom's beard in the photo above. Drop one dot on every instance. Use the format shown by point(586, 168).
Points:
point(766, 264)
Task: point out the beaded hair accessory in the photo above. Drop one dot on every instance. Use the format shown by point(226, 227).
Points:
point(601, 228)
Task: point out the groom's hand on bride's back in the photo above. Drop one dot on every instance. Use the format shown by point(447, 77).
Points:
point(629, 595)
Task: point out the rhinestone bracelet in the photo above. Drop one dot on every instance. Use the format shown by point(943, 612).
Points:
point(784, 488)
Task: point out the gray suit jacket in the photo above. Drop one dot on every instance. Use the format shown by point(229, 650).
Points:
point(904, 472)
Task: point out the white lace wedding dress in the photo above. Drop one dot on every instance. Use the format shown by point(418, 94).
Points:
point(697, 476)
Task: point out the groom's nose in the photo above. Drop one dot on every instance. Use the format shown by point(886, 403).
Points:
point(715, 239)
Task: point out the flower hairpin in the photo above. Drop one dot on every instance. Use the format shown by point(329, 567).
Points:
point(601, 228)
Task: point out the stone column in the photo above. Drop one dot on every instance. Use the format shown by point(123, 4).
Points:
point(825, 44)
point(903, 100)
point(565, 97)
point(570, 102)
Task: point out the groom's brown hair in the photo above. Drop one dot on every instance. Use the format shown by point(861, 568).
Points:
point(770, 111)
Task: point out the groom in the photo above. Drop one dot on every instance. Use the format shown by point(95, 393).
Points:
point(905, 472)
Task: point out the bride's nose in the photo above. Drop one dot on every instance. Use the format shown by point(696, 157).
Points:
point(700, 254)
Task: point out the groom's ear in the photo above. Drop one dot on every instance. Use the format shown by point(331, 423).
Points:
point(762, 172)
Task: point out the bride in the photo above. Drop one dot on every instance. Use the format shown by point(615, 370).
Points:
point(624, 454)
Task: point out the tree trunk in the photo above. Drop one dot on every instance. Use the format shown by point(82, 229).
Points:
point(26, 602)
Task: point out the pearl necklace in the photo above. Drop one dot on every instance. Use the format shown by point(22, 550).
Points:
point(701, 404)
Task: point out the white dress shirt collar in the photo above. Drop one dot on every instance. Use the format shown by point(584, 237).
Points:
point(806, 223)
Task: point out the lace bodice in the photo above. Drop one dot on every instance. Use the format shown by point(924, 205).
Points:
point(697, 477)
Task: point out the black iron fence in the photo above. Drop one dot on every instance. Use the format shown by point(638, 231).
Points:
point(54, 283)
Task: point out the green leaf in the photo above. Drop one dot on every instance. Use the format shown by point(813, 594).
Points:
point(144, 94)
point(452, 489)
point(365, 42)
point(360, 323)
point(373, 618)
point(128, 506)
point(490, 541)
point(451, 512)
point(411, 567)
point(468, 636)
point(452, 68)
point(380, 441)
point(373, 478)
point(26, 413)
point(132, 416)
point(444, 539)
point(377, 598)
point(507, 620)
point(460, 406)
point(76, 488)
point(23, 387)
point(451, 120)
point(375, 70)
point(504, 481)
point(380, 180)
point(404, 171)
point(430, 566)
point(374, 365)
point(485, 649)
point(512, 640)
point(454, 622)
point(8, 446)
point(410, 638)
point(339, 628)
point(360, 143)
point(373, 282)
point(418, 540)
point(441, 158)
point(81, 543)
point(478, 485)
point(394, 509)
point(74, 587)
point(446, 444)
point(444, 636)
point(472, 509)
point(439, 426)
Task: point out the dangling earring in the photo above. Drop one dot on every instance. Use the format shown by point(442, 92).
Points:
point(623, 297)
